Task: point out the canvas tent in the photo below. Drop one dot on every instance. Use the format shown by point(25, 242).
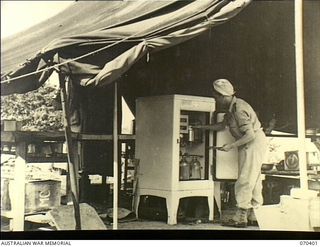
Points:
point(97, 50)
point(113, 41)
point(258, 56)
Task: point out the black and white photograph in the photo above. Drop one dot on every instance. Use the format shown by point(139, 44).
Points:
point(160, 119)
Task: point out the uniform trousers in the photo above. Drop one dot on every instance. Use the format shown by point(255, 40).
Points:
point(248, 187)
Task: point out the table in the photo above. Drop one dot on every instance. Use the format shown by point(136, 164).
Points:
point(277, 183)
point(21, 139)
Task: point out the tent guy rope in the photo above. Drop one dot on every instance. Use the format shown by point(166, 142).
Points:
point(56, 66)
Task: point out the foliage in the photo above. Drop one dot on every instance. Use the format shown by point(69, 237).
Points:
point(37, 110)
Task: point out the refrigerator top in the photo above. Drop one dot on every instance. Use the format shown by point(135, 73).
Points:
point(178, 97)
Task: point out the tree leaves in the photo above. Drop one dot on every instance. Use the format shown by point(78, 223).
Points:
point(36, 109)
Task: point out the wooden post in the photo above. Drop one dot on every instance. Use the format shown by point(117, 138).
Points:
point(300, 93)
point(72, 170)
point(115, 158)
point(18, 200)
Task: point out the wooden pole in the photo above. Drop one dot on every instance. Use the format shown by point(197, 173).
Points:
point(18, 201)
point(298, 10)
point(115, 158)
point(71, 168)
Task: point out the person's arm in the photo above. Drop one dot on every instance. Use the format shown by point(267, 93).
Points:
point(245, 126)
point(215, 127)
point(247, 137)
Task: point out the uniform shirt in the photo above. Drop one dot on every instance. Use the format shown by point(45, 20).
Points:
point(240, 118)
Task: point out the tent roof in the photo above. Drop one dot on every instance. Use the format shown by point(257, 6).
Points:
point(74, 20)
point(258, 56)
point(100, 21)
point(99, 48)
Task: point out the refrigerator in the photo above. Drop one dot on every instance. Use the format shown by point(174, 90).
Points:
point(174, 159)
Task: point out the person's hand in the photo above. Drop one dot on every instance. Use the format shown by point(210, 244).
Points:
point(213, 147)
point(226, 147)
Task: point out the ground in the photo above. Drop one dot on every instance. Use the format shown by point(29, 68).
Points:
point(194, 217)
point(156, 225)
point(143, 224)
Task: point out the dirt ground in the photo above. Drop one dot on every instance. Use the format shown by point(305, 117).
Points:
point(142, 224)
point(198, 220)
point(156, 225)
point(186, 224)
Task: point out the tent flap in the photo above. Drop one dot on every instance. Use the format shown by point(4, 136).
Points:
point(26, 83)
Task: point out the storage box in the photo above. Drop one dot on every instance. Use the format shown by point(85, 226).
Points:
point(42, 195)
point(11, 125)
point(292, 214)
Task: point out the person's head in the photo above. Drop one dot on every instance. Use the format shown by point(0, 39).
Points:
point(222, 91)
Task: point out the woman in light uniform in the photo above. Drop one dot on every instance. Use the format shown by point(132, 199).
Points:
point(251, 142)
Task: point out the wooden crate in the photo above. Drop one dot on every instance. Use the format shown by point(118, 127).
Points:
point(42, 195)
